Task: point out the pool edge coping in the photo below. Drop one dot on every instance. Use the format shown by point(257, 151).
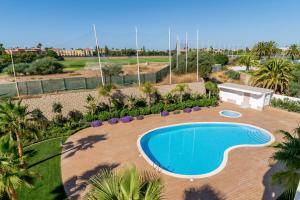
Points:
point(226, 152)
point(240, 114)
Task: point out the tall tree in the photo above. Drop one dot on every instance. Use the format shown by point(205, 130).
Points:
point(288, 154)
point(12, 173)
point(112, 70)
point(248, 60)
point(293, 51)
point(127, 185)
point(39, 45)
point(274, 74)
point(149, 90)
point(259, 49)
point(271, 48)
point(14, 119)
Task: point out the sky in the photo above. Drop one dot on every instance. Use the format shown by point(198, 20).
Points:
point(221, 23)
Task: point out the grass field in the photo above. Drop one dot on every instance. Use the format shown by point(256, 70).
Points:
point(44, 159)
point(77, 64)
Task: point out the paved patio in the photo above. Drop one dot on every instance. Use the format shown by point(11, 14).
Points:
point(246, 175)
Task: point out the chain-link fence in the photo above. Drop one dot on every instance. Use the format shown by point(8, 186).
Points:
point(77, 83)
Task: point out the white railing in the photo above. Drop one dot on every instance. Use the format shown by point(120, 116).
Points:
point(282, 97)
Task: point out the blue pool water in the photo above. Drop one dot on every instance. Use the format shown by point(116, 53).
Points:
point(230, 113)
point(197, 148)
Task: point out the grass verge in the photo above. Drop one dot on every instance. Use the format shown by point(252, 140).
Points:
point(44, 159)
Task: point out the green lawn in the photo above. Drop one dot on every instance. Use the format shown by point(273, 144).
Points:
point(44, 159)
point(77, 64)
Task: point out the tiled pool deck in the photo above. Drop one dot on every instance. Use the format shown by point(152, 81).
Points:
point(246, 175)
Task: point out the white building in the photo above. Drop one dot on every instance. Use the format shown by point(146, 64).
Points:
point(245, 96)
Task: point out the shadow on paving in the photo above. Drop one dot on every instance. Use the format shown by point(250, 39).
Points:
point(271, 192)
point(203, 193)
point(75, 185)
point(70, 148)
point(59, 193)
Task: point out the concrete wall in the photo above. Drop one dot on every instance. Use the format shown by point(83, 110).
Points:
point(76, 99)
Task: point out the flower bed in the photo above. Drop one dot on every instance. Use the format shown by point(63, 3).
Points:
point(113, 121)
point(187, 110)
point(196, 108)
point(96, 123)
point(164, 113)
point(126, 119)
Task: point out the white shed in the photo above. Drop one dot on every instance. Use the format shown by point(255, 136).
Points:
point(245, 96)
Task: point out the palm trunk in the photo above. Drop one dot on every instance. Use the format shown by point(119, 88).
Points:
point(12, 193)
point(20, 146)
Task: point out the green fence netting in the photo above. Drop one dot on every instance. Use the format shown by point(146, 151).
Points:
point(76, 83)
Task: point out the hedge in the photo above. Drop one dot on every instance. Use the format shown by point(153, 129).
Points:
point(286, 104)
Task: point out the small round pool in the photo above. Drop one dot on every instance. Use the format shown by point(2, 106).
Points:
point(230, 113)
point(199, 149)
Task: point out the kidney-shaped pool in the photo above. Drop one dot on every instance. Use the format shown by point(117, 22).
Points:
point(197, 150)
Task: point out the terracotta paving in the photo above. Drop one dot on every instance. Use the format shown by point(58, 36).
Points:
point(246, 175)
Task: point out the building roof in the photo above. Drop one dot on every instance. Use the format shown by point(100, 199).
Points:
point(245, 88)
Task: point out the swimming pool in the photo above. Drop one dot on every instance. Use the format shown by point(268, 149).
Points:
point(230, 113)
point(197, 150)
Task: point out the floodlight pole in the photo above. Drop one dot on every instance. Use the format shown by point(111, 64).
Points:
point(197, 55)
point(98, 54)
point(14, 71)
point(170, 61)
point(177, 52)
point(186, 51)
point(137, 55)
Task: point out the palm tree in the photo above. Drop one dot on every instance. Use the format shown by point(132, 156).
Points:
point(274, 74)
point(12, 173)
point(211, 88)
point(148, 89)
point(271, 48)
point(127, 185)
point(288, 154)
point(14, 119)
point(293, 51)
point(248, 60)
point(259, 49)
point(181, 89)
point(106, 91)
point(112, 70)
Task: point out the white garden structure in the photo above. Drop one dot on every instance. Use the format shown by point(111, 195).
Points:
point(245, 96)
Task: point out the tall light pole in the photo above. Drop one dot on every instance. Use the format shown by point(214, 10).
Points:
point(186, 51)
point(98, 54)
point(170, 61)
point(137, 55)
point(197, 55)
point(177, 52)
point(14, 71)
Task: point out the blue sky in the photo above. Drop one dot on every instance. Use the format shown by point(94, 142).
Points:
point(68, 23)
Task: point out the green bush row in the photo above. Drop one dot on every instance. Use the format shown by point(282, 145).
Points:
point(286, 104)
point(154, 109)
point(233, 75)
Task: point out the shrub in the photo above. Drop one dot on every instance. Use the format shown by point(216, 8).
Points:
point(145, 111)
point(57, 107)
point(44, 66)
point(75, 115)
point(286, 104)
point(233, 75)
point(37, 115)
point(134, 112)
point(96, 123)
point(20, 68)
point(221, 59)
point(176, 112)
point(170, 107)
point(113, 121)
point(140, 117)
point(155, 109)
point(126, 119)
point(115, 113)
point(196, 108)
point(124, 112)
point(105, 115)
point(164, 113)
point(187, 110)
point(90, 117)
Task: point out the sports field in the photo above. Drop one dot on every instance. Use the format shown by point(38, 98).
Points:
point(79, 63)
